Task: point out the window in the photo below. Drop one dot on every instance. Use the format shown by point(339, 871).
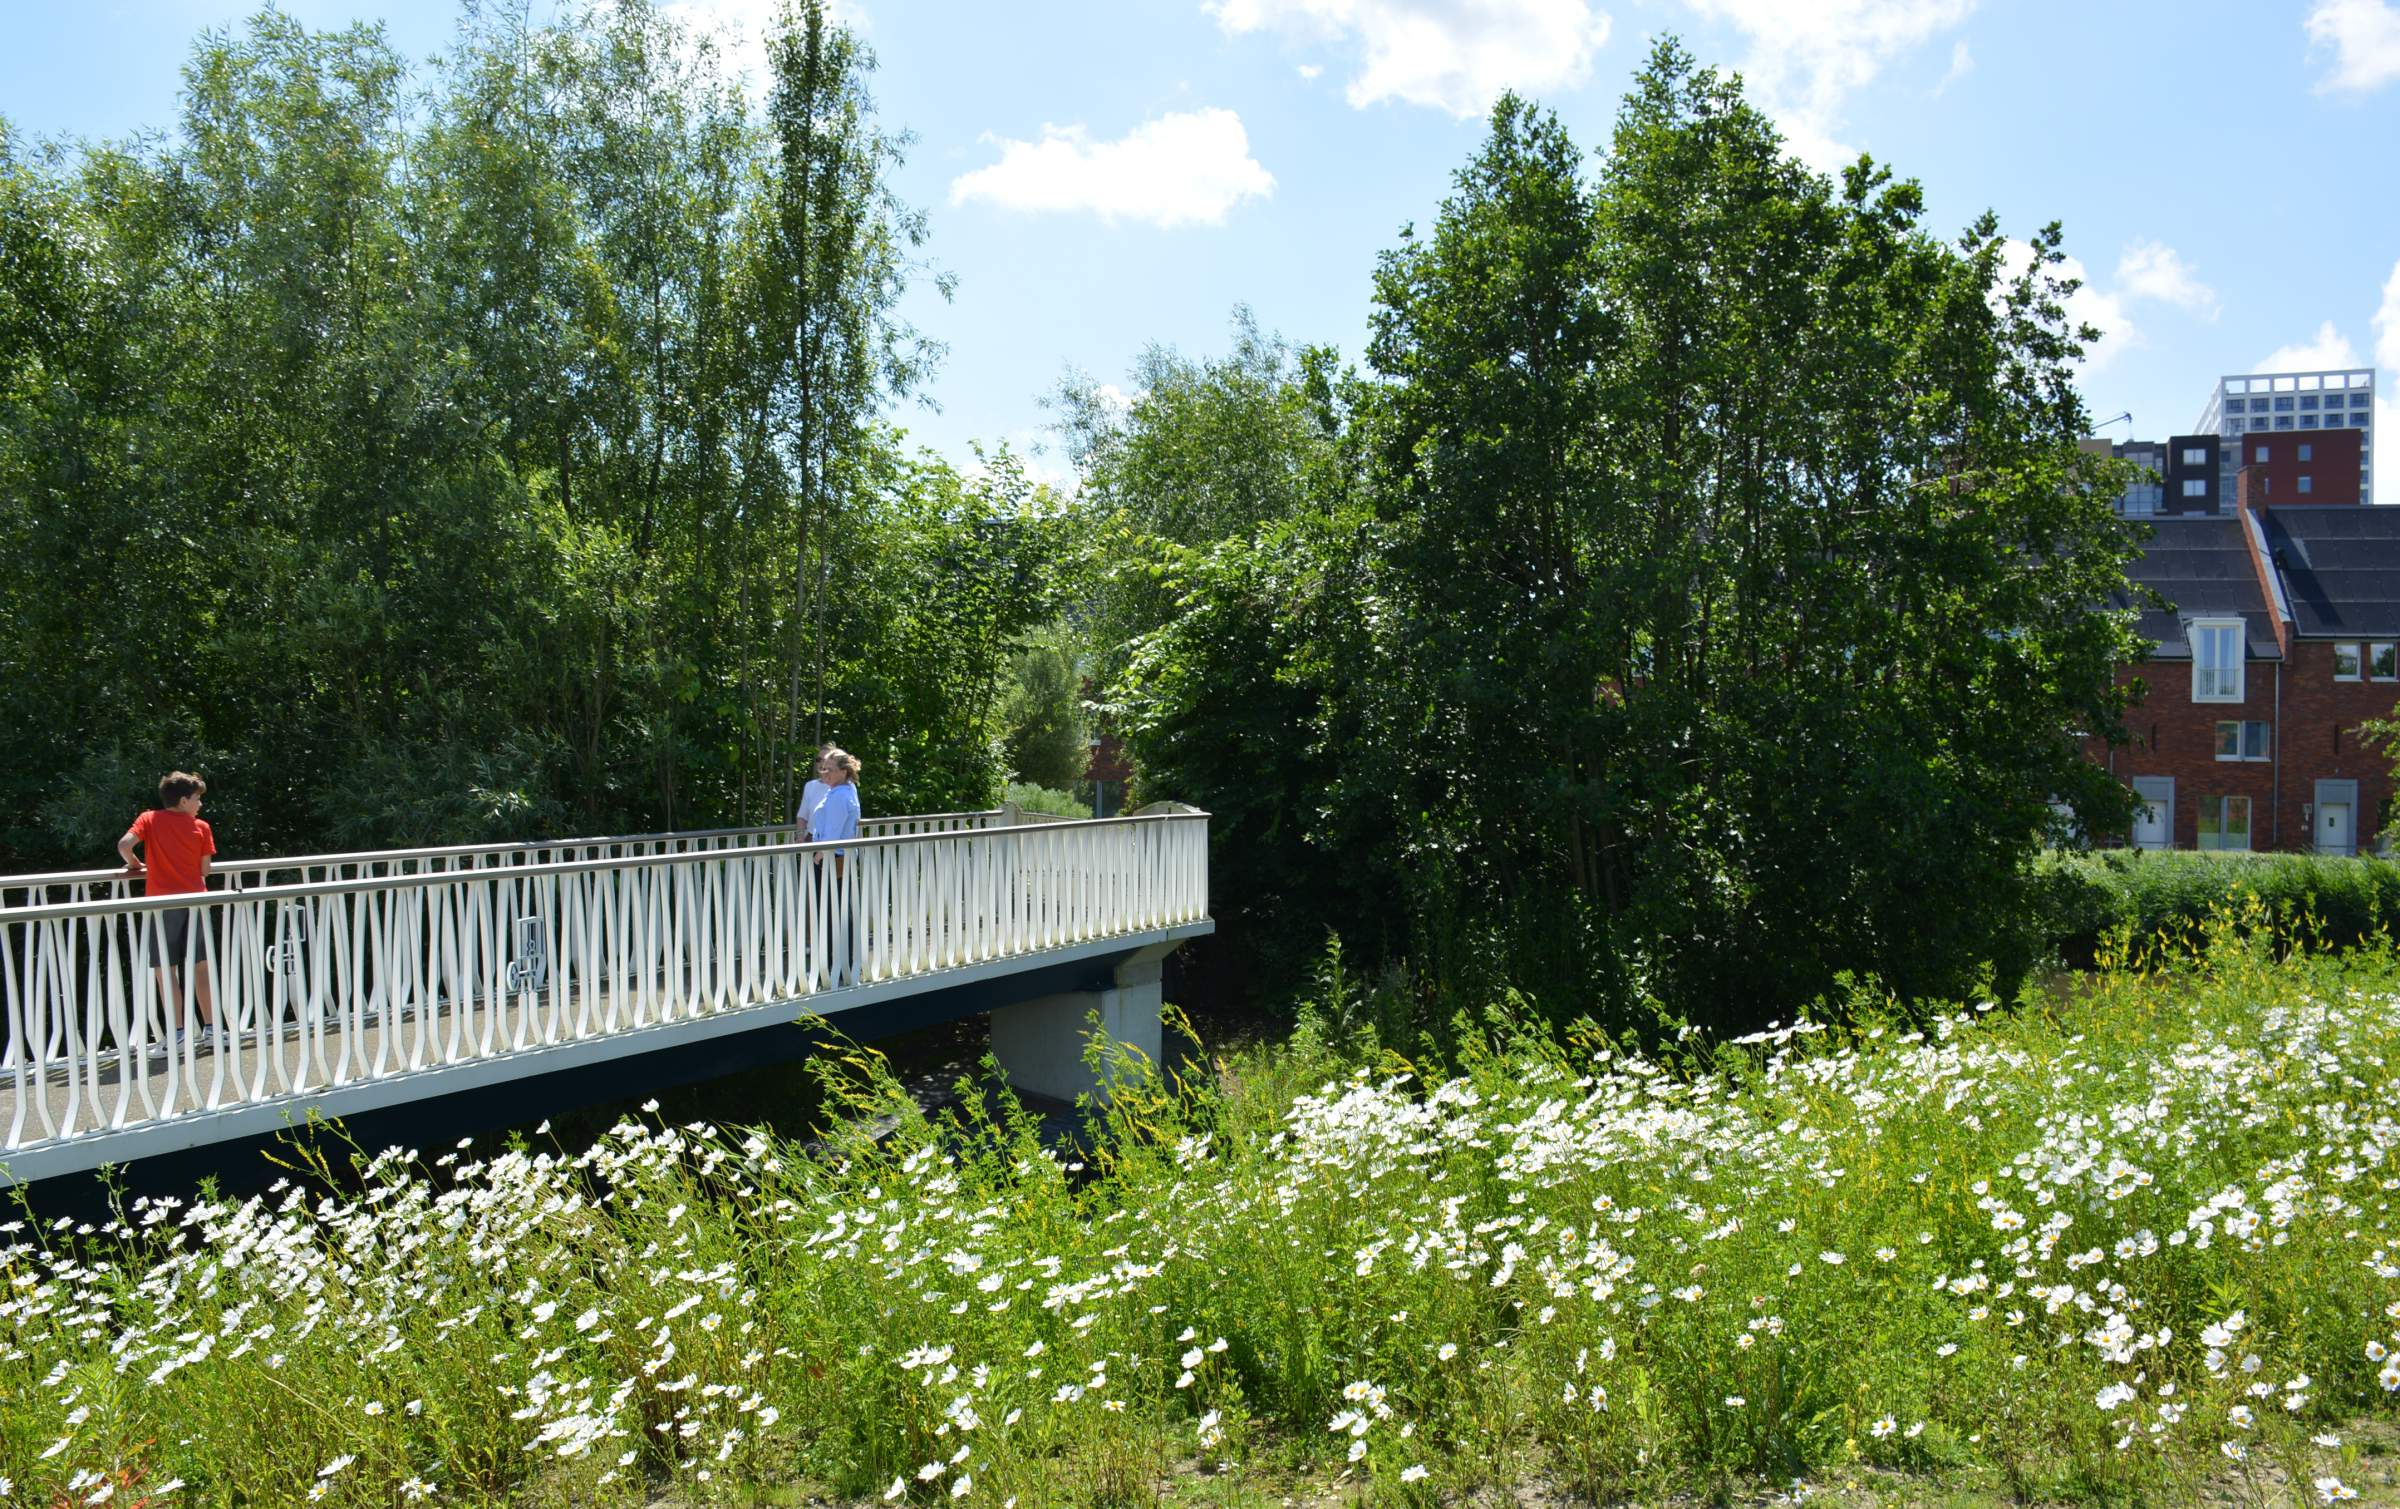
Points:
point(2308, 400)
point(2194, 455)
point(2283, 406)
point(2261, 457)
point(2358, 400)
point(2195, 487)
point(2283, 421)
point(2307, 452)
point(2383, 661)
point(2237, 406)
point(2217, 660)
point(2247, 740)
point(2345, 662)
point(2308, 421)
point(2224, 822)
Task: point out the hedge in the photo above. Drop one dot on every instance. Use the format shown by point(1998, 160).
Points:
point(2340, 901)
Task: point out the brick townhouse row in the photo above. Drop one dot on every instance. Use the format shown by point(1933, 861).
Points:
point(2282, 638)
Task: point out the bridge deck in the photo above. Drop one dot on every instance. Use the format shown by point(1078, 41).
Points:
point(357, 994)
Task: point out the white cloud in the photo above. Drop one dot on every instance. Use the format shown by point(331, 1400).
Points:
point(1807, 57)
point(2104, 312)
point(1179, 169)
point(2365, 38)
point(2151, 270)
point(2387, 325)
point(1310, 70)
point(1455, 55)
point(1962, 63)
point(2331, 348)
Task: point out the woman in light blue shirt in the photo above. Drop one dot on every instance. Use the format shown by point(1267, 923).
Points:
point(836, 816)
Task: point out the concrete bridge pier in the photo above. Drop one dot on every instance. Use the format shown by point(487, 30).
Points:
point(1041, 1043)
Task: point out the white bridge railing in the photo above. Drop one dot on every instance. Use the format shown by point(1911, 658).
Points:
point(415, 960)
point(378, 864)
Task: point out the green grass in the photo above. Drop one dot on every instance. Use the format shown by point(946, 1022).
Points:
point(2025, 1254)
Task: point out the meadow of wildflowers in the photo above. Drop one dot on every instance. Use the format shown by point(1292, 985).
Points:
point(2134, 1243)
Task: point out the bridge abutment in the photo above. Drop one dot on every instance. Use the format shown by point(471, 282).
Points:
point(1041, 1043)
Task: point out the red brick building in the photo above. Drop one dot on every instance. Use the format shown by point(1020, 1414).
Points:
point(2309, 466)
point(2283, 637)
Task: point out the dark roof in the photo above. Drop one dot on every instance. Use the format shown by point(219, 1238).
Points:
point(2202, 566)
point(2340, 565)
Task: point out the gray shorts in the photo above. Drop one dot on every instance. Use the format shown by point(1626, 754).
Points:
point(174, 932)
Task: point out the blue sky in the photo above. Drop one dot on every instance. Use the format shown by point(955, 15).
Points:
point(1101, 176)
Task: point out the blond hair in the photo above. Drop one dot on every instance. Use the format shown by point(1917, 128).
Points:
point(835, 754)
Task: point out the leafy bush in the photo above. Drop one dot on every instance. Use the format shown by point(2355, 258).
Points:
point(1046, 799)
point(2337, 901)
point(1044, 737)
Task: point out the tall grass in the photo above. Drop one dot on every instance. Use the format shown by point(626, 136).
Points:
point(2114, 1247)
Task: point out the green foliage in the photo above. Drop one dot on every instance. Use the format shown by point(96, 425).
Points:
point(1201, 451)
point(1046, 799)
point(2168, 897)
point(1698, 603)
point(1045, 739)
point(485, 460)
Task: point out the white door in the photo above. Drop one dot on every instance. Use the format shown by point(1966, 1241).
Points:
point(2154, 820)
point(2333, 829)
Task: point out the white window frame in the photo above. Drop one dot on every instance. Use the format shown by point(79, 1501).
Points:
point(2242, 731)
point(2377, 651)
point(2224, 824)
point(2358, 663)
point(2217, 683)
point(2195, 487)
point(2195, 455)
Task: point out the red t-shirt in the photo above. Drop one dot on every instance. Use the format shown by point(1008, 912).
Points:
point(173, 844)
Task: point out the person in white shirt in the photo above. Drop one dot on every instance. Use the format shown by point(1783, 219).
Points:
point(812, 795)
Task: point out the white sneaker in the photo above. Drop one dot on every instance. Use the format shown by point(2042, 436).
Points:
point(206, 1037)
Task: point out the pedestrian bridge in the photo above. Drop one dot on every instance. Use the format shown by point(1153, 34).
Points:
point(347, 983)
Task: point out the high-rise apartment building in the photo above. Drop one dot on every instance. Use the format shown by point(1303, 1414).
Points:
point(2293, 401)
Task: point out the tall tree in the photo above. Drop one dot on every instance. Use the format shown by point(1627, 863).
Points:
point(832, 268)
point(445, 462)
point(1724, 607)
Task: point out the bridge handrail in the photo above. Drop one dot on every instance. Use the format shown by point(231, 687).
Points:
point(336, 983)
point(57, 910)
point(231, 870)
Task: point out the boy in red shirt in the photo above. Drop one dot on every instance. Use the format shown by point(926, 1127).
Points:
point(178, 848)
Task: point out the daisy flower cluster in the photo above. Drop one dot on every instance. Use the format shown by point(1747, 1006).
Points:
point(2134, 1245)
